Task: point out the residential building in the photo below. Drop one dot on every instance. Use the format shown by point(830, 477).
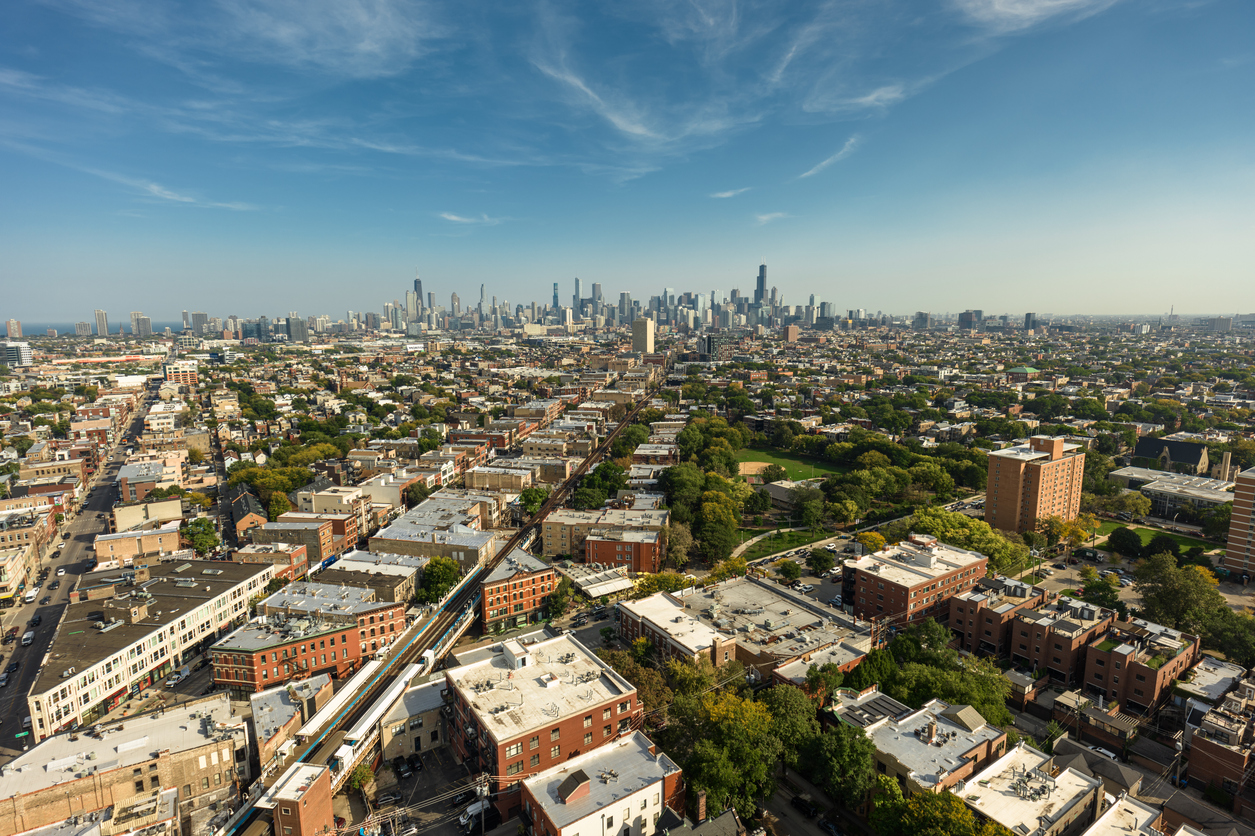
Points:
point(300, 801)
point(673, 631)
point(911, 580)
point(564, 530)
point(1238, 557)
point(576, 797)
point(185, 372)
point(1055, 637)
point(930, 749)
point(416, 723)
point(245, 507)
point(315, 535)
point(278, 712)
point(1135, 663)
point(197, 749)
point(517, 590)
point(108, 650)
point(121, 549)
point(1030, 482)
point(643, 335)
point(1129, 816)
point(632, 549)
point(387, 585)
point(1025, 793)
point(288, 559)
point(982, 617)
point(526, 709)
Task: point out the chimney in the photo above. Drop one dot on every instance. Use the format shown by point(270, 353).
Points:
point(699, 812)
point(932, 732)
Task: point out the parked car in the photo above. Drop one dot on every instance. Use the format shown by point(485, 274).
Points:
point(415, 762)
point(492, 818)
point(829, 827)
point(47, 599)
point(4, 679)
point(401, 768)
point(60, 571)
point(36, 620)
point(805, 588)
point(835, 601)
point(12, 666)
point(804, 806)
point(386, 798)
point(1059, 565)
point(464, 797)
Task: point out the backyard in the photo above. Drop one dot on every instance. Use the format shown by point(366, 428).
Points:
point(798, 467)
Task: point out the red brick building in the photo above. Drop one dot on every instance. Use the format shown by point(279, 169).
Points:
point(1029, 482)
point(517, 591)
point(315, 535)
point(636, 551)
point(1055, 637)
point(982, 618)
point(289, 559)
point(301, 801)
point(912, 580)
point(345, 530)
point(1135, 663)
point(526, 709)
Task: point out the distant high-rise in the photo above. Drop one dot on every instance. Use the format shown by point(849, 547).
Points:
point(187, 323)
point(135, 315)
point(923, 321)
point(14, 328)
point(411, 304)
point(643, 335)
point(298, 330)
point(455, 304)
point(482, 300)
point(431, 300)
point(16, 354)
point(555, 296)
point(578, 296)
point(199, 320)
point(760, 290)
point(1030, 321)
point(143, 326)
point(82, 329)
point(597, 297)
point(418, 290)
point(102, 323)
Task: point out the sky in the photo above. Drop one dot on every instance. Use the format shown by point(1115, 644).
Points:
point(263, 156)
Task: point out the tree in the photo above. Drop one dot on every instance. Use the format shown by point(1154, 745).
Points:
point(813, 514)
point(1181, 597)
point(789, 570)
point(194, 456)
point(439, 576)
point(822, 680)
point(560, 598)
point(793, 720)
point(841, 761)
point(1216, 521)
point(679, 541)
point(607, 634)
point(1163, 543)
point(1124, 541)
point(843, 512)
point(651, 687)
point(201, 535)
point(279, 505)
point(887, 804)
point(819, 561)
point(416, 493)
point(361, 777)
point(774, 473)
point(870, 541)
point(532, 498)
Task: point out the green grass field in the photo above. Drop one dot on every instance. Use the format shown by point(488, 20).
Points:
point(1148, 534)
point(785, 541)
point(798, 467)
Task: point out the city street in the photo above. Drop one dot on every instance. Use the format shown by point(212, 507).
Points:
point(78, 534)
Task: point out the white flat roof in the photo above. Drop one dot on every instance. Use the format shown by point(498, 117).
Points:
point(1014, 792)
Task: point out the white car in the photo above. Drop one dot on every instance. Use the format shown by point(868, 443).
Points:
point(804, 588)
point(60, 571)
point(175, 680)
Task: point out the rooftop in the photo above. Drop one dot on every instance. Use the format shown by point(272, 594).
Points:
point(612, 772)
point(557, 678)
point(866, 708)
point(322, 599)
point(667, 614)
point(1020, 794)
point(292, 784)
point(918, 560)
point(933, 742)
point(273, 631)
point(276, 706)
point(418, 699)
point(1067, 616)
point(1127, 815)
point(72, 755)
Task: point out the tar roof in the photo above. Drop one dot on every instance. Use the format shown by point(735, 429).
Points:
point(68, 756)
point(868, 707)
point(276, 706)
point(1127, 815)
point(562, 678)
point(613, 771)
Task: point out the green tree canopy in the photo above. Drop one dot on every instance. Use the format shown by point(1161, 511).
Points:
point(201, 535)
point(439, 576)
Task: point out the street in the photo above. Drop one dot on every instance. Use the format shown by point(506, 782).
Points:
point(78, 534)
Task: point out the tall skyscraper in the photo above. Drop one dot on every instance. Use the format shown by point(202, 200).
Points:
point(760, 289)
point(411, 304)
point(555, 296)
point(455, 304)
point(643, 335)
point(82, 329)
point(1030, 321)
point(102, 323)
point(199, 320)
point(143, 326)
point(14, 328)
point(187, 323)
point(431, 300)
point(418, 290)
point(135, 315)
point(578, 296)
point(483, 299)
point(597, 297)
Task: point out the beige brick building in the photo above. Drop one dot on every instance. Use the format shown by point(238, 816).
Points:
point(1029, 482)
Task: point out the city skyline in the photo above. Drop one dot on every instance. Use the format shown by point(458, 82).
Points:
point(1021, 155)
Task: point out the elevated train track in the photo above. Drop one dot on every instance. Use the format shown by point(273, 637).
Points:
point(321, 749)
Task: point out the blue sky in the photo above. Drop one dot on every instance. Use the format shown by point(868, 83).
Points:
point(261, 156)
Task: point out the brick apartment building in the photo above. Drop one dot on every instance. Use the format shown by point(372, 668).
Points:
point(517, 591)
point(1222, 750)
point(1029, 482)
point(289, 559)
point(1239, 556)
point(564, 530)
point(1135, 663)
point(315, 535)
point(912, 580)
point(636, 551)
point(982, 618)
point(125, 546)
point(674, 633)
point(345, 529)
point(301, 801)
point(521, 711)
point(1055, 637)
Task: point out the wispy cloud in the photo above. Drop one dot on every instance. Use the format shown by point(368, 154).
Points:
point(771, 216)
point(1004, 16)
point(483, 220)
point(143, 186)
point(620, 116)
point(731, 193)
point(846, 150)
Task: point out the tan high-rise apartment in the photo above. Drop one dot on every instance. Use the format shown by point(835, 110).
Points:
point(1238, 557)
point(1029, 482)
point(643, 335)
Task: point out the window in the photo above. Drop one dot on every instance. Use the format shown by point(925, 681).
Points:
point(588, 721)
point(588, 739)
point(187, 790)
point(514, 750)
point(534, 743)
point(605, 731)
point(514, 768)
point(624, 706)
point(204, 783)
point(139, 785)
point(554, 734)
point(609, 822)
point(555, 752)
point(287, 811)
point(535, 760)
